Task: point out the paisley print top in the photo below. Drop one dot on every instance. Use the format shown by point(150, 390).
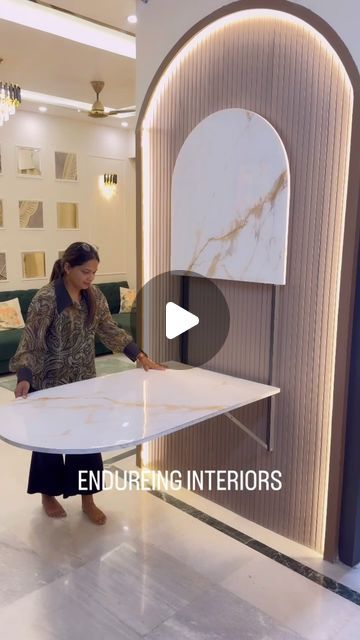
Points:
point(57, 345)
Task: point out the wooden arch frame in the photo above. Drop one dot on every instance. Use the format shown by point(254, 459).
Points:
point(350, 243)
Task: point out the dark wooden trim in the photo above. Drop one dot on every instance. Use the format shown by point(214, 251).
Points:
point(349, 543)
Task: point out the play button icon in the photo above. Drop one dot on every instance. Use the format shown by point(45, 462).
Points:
point(178, 320)
point(180, 316)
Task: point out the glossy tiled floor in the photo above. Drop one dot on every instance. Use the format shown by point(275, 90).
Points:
point(152, 572)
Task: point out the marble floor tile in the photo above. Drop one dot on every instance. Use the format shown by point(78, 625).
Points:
point(139, 584)
point(294, 601)
point(216, 616)
point(349, 576)
point(14, 470)
point(134, 587)
point(350, 631)
point(158, 573)
point(191, 541)
point(21, 569)
point(199, 546)
point(71, 542)
point(150, 572)
point(49, 614)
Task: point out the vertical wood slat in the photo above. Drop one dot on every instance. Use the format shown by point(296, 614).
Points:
point(282, 71)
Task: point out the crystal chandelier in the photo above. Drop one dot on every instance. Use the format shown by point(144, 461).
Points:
point(10, 98)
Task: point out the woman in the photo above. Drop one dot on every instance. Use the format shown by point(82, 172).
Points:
point(58, 347)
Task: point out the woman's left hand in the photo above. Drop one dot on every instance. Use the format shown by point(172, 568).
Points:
point(146, 363)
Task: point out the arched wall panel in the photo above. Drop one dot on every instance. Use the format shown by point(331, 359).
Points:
point(282, 69)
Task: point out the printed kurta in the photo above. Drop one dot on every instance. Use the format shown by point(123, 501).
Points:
point(57, 345)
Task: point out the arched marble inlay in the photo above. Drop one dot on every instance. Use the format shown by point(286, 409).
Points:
point(230, 200)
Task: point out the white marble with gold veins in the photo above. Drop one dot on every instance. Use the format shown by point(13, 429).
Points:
point(123, 409)
point(230, 200)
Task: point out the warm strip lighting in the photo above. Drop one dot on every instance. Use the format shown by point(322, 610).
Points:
point(57, 101)
point(232, 18)
point(65, 25)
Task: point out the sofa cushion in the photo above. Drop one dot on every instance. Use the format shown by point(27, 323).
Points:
point(127, 299)
point(25, 296)
point(111, 291)
point(10, 315)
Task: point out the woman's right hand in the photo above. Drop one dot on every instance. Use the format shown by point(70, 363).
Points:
point(22, 389)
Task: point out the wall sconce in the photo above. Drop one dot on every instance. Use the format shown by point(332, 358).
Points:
point(110, 179)
point(108, 185)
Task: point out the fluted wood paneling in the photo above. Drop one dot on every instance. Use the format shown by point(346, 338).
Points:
point(286, 73)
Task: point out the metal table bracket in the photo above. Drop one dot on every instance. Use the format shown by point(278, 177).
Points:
point(267, 444)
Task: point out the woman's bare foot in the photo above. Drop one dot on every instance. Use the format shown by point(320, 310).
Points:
point(52, 507)
point(94, 514)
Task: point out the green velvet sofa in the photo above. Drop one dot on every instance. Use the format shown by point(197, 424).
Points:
point(9, 339)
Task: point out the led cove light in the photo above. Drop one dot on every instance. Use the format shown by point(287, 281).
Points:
point(65, 25)
point(214, 27)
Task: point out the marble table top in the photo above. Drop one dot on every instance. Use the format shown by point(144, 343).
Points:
point(123, 409)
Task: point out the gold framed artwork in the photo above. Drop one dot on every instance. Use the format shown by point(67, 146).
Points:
point(31, 214)
point(67, 215)
point(28, 161)
point(65, 166)
point(1, 215)
point(33, 264)
point(3, 272)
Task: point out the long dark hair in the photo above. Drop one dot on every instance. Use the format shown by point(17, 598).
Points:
point(75, 255)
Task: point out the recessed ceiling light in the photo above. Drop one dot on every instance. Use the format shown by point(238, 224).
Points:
point(43, 109)
point(65, 25)
point(132, 19)
point(78, 110)
point(124, 124)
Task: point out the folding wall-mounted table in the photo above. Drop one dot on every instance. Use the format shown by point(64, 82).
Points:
point(124, 409)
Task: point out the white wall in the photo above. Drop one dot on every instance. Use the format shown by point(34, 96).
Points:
point(162, 22)
point(110, 224)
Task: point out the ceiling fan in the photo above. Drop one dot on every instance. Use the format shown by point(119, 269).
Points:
point(97, 110)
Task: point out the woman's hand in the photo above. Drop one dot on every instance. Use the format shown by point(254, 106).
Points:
point(146, 363)
point(22, 389)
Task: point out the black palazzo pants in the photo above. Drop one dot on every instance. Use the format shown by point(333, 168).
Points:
point(54, 476)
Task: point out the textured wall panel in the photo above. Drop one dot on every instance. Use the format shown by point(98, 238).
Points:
point(286, 73)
